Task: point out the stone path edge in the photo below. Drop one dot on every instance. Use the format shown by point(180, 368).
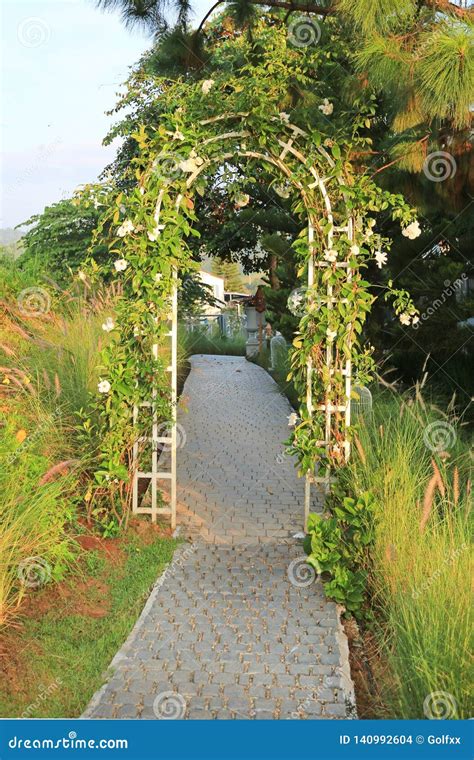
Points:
point(132, 636)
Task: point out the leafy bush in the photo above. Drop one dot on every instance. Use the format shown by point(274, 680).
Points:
point(58, 239)
point(339, 545)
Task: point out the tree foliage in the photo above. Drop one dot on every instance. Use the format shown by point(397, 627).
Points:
point(58, 239)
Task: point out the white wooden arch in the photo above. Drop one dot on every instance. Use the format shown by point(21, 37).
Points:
point(286, 146)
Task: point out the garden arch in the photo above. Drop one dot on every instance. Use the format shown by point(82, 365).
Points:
point(313, 175)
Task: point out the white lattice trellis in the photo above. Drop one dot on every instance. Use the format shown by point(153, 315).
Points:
point(287, 147)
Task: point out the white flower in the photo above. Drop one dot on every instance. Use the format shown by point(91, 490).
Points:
point(206, 85)
point(331, 334)
point(330, 255)
point(326, 107)
point(412, 231)
point(156, 231)
point(191, 164)
point(370, 222)
point(82, 276)
point(125, 228)
point(285, 117)
point(404, 318)
point(415, 319)
point(104, 386)
point(108, 325)
point(158, 276)
point(380, 258)
point(177, 135)
point(120, 265)
point(355, 250)
point(282, 191)
point(292, 419)
point(242, 200)
point(368, 232)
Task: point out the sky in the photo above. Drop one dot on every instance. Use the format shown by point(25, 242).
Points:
point(62, 64)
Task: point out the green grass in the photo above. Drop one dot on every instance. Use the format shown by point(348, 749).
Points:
point(420, 576)
point(212, 342)
point(279, 374)
point(73, 650)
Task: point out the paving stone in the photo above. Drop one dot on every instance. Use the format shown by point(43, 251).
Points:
point(227, 635)
point(337, 710)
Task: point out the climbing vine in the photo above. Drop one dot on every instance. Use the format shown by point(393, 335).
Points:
point(212, 125)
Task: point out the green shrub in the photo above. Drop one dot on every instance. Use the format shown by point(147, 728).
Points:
point(339, 546)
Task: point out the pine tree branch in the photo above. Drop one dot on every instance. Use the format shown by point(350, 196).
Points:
point(211, 10)
point(445, 6)
point(395, 160)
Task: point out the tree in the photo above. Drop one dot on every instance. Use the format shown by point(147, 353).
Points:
point(416, 54)
point(230, 272)
point(152, 14)
point(58, 240)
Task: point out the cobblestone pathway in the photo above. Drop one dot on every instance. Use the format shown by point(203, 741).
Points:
point(236, 627)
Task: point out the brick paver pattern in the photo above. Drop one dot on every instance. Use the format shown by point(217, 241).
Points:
point(233, 629)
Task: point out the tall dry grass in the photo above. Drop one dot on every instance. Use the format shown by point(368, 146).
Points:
point(421, 572)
